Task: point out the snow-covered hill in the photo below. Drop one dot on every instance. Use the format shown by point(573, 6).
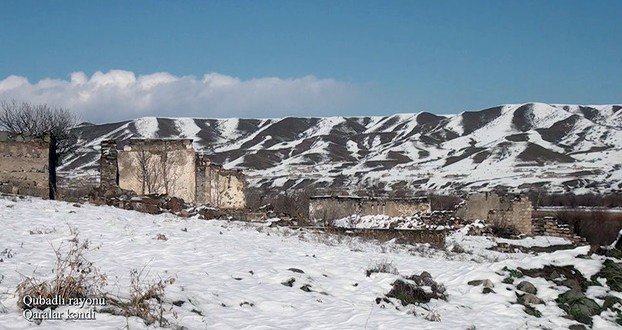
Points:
point(229, 275)
point(555, 147)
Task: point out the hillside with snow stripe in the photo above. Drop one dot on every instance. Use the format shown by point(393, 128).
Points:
point(521, 146)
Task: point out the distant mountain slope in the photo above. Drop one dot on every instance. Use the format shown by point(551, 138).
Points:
point(556, 147)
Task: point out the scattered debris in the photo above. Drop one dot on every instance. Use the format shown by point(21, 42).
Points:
point(289, 283)
point(161, 237)
point(382, 267)
point(296, 270)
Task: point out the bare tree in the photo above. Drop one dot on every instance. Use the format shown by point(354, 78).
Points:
point(148, 173)
point(167, 169)
point(38, 120)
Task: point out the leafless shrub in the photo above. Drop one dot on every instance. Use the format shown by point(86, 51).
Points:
point(157, 172)
point(145, 299)
point(73, 231)
point(433, 316)
point(74, 277)
point(148, 173)
point(169, 176)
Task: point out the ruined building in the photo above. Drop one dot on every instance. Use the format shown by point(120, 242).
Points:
point(172, 167)
point(503, 211)
point(27, 165)
point(324, 209)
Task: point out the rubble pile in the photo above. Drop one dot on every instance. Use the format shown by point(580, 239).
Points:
point(152, 204)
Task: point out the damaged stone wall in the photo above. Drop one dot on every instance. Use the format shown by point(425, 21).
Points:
point(158, 166)
point(504, 211)
point(324, 209)
point(108, 168)
point(550, 226)
point(172, 167)
point(25, 165)
point(218, 187)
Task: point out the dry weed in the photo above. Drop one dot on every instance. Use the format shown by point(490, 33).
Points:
point(145, 299)
point(74, 277)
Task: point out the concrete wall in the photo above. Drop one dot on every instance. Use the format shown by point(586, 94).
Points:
point(322, 210)
point(158, 167)
point(498, 210)
point(25, 165)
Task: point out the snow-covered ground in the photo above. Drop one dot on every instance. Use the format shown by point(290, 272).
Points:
point(380, 221)
point(229, 274)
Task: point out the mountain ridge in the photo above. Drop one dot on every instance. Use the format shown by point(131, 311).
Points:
point(557, 148)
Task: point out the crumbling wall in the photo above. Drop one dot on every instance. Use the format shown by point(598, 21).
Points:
point(26, 166)
point(549, 226)
point(401, 207)
point(158, 166)
point(172, 167)
point(513, 212)
point(504, 211)
point(218, 187)
point(108, 168)
point(322, 210)
point(478, 205)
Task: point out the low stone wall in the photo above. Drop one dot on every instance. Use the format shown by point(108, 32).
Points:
point(74, 188)
point(324, 209)
point(502, 211)
point(25, 165)
point(549, 226)
point(435, 238)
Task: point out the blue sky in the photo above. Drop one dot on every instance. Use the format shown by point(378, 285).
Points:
point(321, 57)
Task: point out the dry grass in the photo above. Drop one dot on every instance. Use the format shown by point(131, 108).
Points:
point(74, 277)
point(145, 299)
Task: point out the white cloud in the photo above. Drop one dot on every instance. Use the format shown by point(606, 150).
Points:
point(119, 95)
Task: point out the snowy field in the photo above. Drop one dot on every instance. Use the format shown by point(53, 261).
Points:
point(229, 275)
